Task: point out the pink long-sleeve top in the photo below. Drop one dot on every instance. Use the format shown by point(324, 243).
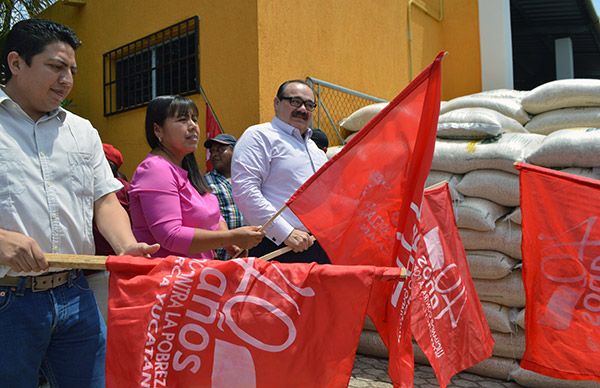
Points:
point(165, 208)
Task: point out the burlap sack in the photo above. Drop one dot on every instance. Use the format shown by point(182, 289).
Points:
point(509, 345)
point(515, 217)
point(499, 317)
point(369, 325)
point(359, 118)
point(505, 238)
point(490, 265)
point(555, 120)
point(436, 177)
point(593, 173)
point(508, 291)
point(478, 214)
point(475, 123)
point(564, 93)
point(509, 107)
point(459, 157)
point(520, 319)
point(496, 367)
point(528, 378)
point(568, 148)
point(371, 344)
point(494, 185)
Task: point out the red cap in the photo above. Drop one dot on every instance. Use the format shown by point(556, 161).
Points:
point(113, 154)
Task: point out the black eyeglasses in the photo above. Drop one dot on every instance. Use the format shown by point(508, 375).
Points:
point(297, 102)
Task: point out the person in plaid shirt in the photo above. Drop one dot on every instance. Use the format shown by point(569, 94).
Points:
point(220, 148)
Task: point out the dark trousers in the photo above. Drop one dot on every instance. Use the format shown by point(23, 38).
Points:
point(313, 254)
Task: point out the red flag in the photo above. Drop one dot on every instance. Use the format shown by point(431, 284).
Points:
point(448, 321)
point(369, 198)
point(212, 130)
point(561, 273)
point(181, 322)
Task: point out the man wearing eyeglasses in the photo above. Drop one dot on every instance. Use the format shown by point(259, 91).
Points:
point(270, 161)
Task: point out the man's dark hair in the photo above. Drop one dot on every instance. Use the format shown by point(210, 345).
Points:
point(286, 83)
point(30, 37)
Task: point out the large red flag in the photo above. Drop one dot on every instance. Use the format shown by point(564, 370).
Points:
point(369, 198)
point(447, 318)
point(180, 322)
point(561, 272)
point(212, 129)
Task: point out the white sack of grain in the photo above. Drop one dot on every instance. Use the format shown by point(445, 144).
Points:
point(371, 344)
point(349, 137)
point(332, 151)
point(531, 379)
point(369, 325)
point(496, 367)
point(475, 123)
point(509, 345)
point(520, 319)
point(362, 116)
point(562, 94)
point(437, 177)
point(593, 173)
point(515, 216)
point(494, 185)
point(503, 93)
point(568, 148)
point(505, 238)
point(509, 107)
point(501, 153)
point(490, 264)
point(508, 291)
point(478, 214)
point(420, 357)
point(499, 317)
point(549, 122)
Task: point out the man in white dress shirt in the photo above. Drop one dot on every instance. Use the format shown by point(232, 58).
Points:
point(54, 179)
point(270, 162)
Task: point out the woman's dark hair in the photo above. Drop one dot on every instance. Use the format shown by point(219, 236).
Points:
point(158, 111)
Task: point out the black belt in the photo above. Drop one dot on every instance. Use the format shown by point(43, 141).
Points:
point(41, 282)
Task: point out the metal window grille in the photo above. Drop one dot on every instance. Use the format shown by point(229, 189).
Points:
point(165, 62)
point(335, 102)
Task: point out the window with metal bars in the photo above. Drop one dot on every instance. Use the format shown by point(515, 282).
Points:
point(165, 62)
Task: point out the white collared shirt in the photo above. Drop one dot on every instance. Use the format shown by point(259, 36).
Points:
point(51, 173)
point(270, 162)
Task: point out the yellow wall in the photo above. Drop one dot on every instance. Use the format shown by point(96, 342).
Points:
point(228, 64)
point(248, 47)
point(462, 66)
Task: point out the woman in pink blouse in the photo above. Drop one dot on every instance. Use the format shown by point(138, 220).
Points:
point(169, 201)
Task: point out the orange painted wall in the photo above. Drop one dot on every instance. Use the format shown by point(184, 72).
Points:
point(228, 61)
point(248, 47)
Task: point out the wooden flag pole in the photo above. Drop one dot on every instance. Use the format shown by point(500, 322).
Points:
point(266, 225)
point(76, 261)
point(274, 254)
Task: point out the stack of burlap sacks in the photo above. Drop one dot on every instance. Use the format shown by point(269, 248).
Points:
point(480, 137)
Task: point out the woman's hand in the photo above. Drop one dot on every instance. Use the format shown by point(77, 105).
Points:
point(246, 237)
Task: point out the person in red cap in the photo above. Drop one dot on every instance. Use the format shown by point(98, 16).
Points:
point(115, 161)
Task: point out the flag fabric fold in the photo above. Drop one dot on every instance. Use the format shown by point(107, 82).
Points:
point(561, 273)
point(369, 204)
point(239, 323)
point(447, 318)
